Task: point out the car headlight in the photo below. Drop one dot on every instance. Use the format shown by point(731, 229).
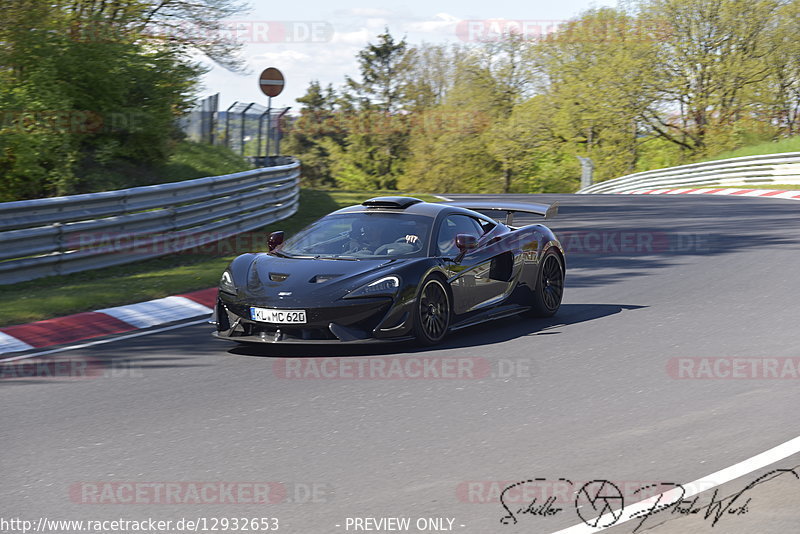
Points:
point(226, 283)
point(382, 287)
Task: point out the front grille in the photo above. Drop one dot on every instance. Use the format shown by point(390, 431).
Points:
point(287, 332)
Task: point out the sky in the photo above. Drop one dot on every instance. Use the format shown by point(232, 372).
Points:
point(318, 39)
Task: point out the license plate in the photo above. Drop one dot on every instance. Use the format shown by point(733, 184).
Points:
point(267, 315)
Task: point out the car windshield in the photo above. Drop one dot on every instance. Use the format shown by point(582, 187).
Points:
point(362, 235)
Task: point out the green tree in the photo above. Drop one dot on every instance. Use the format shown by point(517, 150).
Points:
point(431, 71)
point(376, 146)
point(316, 133)
point(448, 146)
point(86, 86)
point(598, 84)
point(778, 97)
point(383, 67)
point(714, 53)
point(653, 84)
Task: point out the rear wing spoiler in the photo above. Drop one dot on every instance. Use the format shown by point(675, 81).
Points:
point(548, 211)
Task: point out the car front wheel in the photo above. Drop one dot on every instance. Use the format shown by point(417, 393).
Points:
point(432, 312)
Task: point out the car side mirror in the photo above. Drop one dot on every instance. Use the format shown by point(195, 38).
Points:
point(465, 243)
point(275, 240)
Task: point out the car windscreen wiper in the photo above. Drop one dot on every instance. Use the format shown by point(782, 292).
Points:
point(346, 258)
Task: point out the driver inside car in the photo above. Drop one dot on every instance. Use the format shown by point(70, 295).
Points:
point(366, 238)
point(382, 239)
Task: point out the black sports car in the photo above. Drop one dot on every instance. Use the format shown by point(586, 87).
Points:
point(391, 269)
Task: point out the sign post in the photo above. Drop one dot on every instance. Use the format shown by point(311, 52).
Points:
point(271, 83)
point(587, 171)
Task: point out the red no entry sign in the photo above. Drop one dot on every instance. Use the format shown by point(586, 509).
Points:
point(271, 81)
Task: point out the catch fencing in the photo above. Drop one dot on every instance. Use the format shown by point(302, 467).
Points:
point(248, 128)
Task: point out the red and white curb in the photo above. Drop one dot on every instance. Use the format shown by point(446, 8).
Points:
point(117, 320)
point(772, 193)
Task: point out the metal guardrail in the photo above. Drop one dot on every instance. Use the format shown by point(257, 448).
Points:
point(54, 236)
point(768, 169)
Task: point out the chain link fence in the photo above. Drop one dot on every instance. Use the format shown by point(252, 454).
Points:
point(200, 123)
point(247, 128)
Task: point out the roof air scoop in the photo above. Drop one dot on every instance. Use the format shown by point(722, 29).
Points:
point(391, 202)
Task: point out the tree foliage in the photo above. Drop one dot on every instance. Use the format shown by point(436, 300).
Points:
point(653, 83)
point(85, 85)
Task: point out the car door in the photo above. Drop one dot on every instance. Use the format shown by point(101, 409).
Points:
point(470, 279)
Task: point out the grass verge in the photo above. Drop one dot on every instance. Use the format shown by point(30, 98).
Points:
point(62, 295)
point(790, 144)
point(189, 160)
point(197, 160)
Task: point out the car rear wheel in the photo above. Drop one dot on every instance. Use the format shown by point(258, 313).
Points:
point(432, 312)
point(549, 286)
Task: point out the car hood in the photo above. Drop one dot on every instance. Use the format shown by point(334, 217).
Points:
point(272, 279)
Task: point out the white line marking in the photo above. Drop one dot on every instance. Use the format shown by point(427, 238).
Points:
point(104, 341)
point(156, 312)
point(775, 454)
point(443, 198)
point(11, 344)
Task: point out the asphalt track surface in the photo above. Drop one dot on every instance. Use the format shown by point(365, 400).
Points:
point(591, 396)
